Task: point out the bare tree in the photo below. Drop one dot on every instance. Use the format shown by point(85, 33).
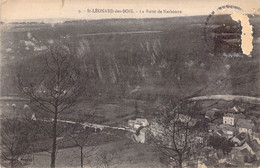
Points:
point(15, 142)
point(105, 159)
point(56, 89)
point(81, 135)
point(174, 132)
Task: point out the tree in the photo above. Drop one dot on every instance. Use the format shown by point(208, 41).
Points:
point(56, 89)
point(174, 131)
point(15, 141)
point(222, 143)
point(106, 159)
point(82, 136)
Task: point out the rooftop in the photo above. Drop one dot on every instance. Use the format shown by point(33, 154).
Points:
point(254, 145)
point(210, 113)
point(248, 126)
point(244, 123)
point(245, 152)
point(227, 127)
point(240, 116)
point(241, 136)
point(229, 115)
point(236, 109)
point(141, 120)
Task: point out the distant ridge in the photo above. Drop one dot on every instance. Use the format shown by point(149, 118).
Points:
point(246, 99)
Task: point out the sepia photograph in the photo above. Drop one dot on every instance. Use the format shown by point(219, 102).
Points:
point(131, 84)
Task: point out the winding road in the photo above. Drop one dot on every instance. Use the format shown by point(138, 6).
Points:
point(246, 99)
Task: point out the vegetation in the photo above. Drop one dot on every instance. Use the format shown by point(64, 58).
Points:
point(126, 75)
point(222, 143)
point(59, 86)
point(175, 134)
point(15, 140)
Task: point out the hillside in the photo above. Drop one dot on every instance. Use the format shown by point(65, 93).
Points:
point(139, 58)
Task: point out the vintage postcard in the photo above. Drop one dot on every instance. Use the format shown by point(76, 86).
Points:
point(130, 83)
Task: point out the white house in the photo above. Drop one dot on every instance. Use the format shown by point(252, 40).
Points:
point(135, 124)
point(142, 122)
point(244, 125)
point(239, 139)
point(131, 123)
point(229, 119)
point(140, 137)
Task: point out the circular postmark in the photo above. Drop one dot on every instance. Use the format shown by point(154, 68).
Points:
point(222, 33)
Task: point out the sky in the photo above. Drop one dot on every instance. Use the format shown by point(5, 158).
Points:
point(60, 10)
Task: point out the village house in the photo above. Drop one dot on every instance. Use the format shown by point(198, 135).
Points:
point(240, 139)
point(212, 127)
point(218, 133)
point(231, 119)
point(245, 154)
point(255, 148)
point(247, 146)
point(238, 157)
point(141, 135)
point(228, 130)
point(135, 124)
point(131, 123)
point(211, 114)
point(244, 125)
point(236, 109)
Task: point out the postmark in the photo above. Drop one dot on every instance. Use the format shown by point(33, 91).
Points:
point(228, 34)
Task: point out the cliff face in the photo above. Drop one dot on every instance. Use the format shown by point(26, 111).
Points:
point(135, 58)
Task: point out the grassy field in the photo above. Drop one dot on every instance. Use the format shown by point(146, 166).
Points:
point(115, 112)
point(126, 154)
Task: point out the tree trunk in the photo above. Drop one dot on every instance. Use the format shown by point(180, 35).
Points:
point(12, 162)
point(180, 162)
point(54, 144)
point(81, 156)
